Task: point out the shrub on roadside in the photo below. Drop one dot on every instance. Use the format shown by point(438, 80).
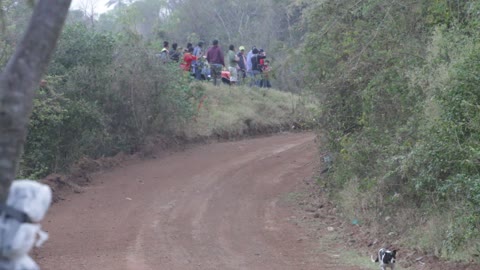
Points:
point(400, 105)
point(61, 131)
point(104, 96)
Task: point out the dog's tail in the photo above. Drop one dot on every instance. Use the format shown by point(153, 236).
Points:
point(374, 259)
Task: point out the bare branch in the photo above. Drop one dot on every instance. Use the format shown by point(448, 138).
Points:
point(88, 8)
point(224, 25)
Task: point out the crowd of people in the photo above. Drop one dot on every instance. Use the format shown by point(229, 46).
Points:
point(234, 67)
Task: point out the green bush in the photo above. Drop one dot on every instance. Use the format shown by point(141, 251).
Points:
point(103, 96)
point(81, 46)
point(399, 87)
point(60, 132)
point(446, 163)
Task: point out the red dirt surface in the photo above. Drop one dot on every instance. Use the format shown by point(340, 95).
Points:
point(215, 206)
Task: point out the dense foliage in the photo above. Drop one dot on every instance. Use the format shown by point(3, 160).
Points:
point(104, 94)
point(399, 87)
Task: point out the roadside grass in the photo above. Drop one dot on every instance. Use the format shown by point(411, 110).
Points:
point(234, 111)
point(328, 243)
point(434, 232)
point(415, 230)
point(331, 243)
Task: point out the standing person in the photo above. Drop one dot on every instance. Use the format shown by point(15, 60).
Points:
point(206, 72)
point(261, 52)
point(164, 54)
point(216, 61)
point(266, 75)
point(197, 64)
point(188, 58)
point(232, 60)
point(249, 60)
point(256, 67)
point(242, 64)
point(174, 53)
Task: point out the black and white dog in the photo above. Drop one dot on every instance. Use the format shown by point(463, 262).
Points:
point(387, 258)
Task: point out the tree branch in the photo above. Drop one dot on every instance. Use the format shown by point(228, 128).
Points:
point(19, 80)
point(224, 25)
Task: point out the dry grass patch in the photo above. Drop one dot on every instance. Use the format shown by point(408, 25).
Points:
point(228, 112)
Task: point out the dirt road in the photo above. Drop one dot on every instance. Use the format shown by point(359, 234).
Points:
point(215, 206)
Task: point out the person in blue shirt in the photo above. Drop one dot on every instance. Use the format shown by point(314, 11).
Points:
point(197, 64)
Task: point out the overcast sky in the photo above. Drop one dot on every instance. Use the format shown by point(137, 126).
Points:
point(99, 5)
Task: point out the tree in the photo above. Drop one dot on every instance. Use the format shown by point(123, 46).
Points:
point(19, 80)
point(14, 17)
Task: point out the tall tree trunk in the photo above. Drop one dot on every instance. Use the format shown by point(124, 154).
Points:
point(19, 80)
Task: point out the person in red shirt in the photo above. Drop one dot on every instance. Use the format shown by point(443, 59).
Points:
point(261, 52)
point(265, 75)
point(187, 59)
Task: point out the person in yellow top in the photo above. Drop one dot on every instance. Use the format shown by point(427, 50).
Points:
point(164, 54)
point(242, 64)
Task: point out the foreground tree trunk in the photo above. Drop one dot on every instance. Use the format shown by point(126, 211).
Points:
point(20, 78)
